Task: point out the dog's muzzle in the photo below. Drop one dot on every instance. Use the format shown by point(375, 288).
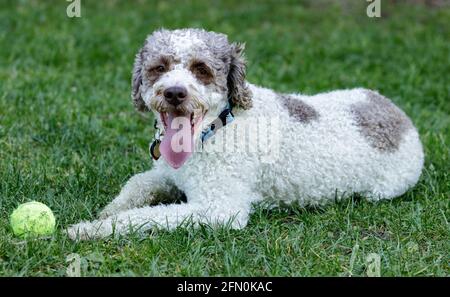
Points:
point(175, 95)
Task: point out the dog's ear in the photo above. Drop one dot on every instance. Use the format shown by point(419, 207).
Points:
point(136, 83)
point(238, 92)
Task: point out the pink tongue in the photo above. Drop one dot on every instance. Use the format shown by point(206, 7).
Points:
point(178, 142)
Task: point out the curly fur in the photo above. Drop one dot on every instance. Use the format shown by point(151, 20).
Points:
point(136, 83)
point(238, 92)
point(327, 146)
point(381, 122)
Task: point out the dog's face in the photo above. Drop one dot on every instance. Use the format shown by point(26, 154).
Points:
point(187, 77)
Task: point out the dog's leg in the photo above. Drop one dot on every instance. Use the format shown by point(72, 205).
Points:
point(138, 191)
point(216, 205)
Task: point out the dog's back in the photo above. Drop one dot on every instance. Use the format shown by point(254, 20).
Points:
point(338, 143)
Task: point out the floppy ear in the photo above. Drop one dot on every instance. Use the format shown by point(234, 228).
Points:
point(238, 92)
point(136, 83)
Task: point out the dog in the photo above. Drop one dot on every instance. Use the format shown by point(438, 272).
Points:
point(320, 148)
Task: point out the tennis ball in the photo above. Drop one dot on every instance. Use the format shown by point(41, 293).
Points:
point(32, 219)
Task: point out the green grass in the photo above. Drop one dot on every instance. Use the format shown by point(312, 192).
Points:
point(69, 136)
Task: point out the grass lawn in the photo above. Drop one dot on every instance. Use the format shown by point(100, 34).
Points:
point(69, 136)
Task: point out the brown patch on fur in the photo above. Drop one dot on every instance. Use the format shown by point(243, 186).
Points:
point(381, 122)
point(298, 109)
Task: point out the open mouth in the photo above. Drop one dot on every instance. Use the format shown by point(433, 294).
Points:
point(194, 118)
point(177, 144)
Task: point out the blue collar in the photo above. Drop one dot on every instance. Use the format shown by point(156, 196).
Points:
point(224, 118)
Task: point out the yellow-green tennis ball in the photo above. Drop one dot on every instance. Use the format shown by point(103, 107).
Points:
point(32, 219)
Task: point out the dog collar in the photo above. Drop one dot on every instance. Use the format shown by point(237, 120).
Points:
point(224, 118)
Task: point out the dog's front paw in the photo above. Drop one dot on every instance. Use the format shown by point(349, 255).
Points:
point(78, 232)
point(105, 213)
point(109, 211)
point(89, 230)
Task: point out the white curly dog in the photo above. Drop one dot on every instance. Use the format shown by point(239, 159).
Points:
point(226, 144)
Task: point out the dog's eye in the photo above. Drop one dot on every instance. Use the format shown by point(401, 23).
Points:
point(202, 72)
point(159, 69)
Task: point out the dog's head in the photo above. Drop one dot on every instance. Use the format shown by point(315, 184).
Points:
point(187, 77)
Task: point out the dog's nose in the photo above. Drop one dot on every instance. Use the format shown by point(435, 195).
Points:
point(175, 95)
